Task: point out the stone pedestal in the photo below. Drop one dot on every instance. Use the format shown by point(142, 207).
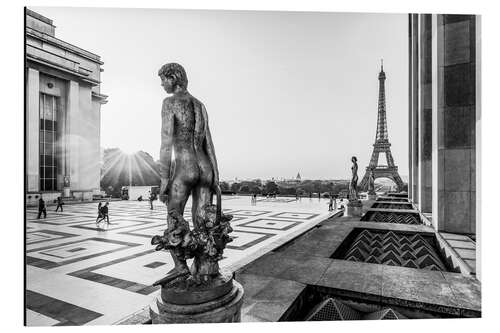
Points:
point(219, 302)
point(66, 192)
point(353, 208)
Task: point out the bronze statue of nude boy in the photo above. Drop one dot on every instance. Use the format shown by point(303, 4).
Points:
point(185, 135)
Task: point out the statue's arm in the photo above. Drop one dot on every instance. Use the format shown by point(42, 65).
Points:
point(209, 146)
point(167, 129)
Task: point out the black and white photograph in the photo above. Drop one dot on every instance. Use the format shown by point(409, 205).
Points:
point(196, 166)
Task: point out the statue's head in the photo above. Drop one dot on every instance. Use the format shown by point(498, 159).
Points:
point(354, 159)
point(173, 77)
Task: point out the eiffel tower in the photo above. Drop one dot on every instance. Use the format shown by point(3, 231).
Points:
point(382, 144)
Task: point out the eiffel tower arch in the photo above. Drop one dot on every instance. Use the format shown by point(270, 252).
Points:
point(382, 145)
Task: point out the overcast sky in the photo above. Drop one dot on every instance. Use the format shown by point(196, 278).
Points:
point(285, 92)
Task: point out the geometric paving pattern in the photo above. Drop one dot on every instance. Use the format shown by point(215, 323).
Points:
point(74, 268)
point(333, 309)
point(67, 253)
point(392, 217)
point(39, 236)
point(394, 199)
point(389, 205)
point(56, 312)
point(393, 248)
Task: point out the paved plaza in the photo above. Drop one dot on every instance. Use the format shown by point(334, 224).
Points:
point(78, 274)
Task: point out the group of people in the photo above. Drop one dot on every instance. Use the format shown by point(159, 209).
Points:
point(152, 197)
point(102, 210)
point(102, 213)
point(332, 204)
point(42, 209)
point(254, 199)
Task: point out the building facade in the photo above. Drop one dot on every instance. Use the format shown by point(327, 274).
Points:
point(445, 120)
point(62, 114)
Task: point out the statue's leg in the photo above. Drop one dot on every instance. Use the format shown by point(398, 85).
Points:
point(177, 198)
point(203, 267)
point(202, 195)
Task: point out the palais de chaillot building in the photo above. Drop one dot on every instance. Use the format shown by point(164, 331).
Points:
point(62, 115)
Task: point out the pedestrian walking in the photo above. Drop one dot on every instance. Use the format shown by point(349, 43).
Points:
point(98, 213)
point(60, 203)
point(41, 208)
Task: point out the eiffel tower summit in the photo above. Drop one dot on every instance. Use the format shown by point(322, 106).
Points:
point(382, 144)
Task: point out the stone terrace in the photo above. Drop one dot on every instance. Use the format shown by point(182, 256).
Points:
point(279, 285)
point(74, 269)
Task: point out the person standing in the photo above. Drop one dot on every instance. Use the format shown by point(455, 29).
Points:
point(330, 204)
point(60, 203)
point(151, 198)
point(41, 208)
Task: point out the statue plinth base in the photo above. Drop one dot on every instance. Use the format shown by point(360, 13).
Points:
point(372, 196)
point(66, 192)
point(353, 208)
point(217, 302)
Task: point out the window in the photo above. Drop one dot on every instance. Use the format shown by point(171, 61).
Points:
point(48, 131)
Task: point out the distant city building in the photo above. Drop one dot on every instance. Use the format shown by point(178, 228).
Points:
point(63, 112)
point(293, 181)
point(445, 119)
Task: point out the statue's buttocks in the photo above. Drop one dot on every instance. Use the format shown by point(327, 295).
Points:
point(192, 164)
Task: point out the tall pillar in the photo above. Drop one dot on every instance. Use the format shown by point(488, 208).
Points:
point(414, 108)
point(425, 115)
point(410, 89)
point(478, 146)
point(73, 139)
point(436, 50)
point(33, 130)
point(456, 117)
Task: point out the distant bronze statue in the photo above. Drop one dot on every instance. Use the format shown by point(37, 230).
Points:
point(194, 172)
point(371, 182)
point(353, 186)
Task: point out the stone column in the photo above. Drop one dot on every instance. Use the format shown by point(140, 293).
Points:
point(477, 161)
point(33, 130)
point(425, 115)
point(456, 116)
point(410, 89)
point(73, 137)
point(436, 50)
point(414, 107)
